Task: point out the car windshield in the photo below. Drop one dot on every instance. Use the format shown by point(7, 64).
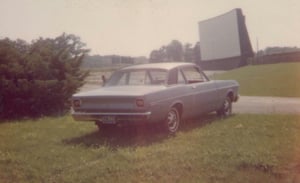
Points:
point(138, 77)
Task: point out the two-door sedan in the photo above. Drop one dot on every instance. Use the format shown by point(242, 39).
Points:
point(165, 93)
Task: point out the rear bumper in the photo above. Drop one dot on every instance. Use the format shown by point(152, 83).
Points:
point(117, 117)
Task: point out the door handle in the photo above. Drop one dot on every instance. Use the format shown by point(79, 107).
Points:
point(193, 87)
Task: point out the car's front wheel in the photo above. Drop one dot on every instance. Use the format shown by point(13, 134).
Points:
point(226, 108)
point(172, 121)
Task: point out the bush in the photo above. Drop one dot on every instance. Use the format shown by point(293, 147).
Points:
point(39, 78)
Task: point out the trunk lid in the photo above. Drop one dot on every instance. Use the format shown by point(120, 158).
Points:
point(114, 99)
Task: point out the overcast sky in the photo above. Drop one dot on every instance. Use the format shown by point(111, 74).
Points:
point(136, 27)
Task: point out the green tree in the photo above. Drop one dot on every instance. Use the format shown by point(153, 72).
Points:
point(188, 53)
point(197, 52)
point(159, 55)
point(174, 51)
point(39, 78)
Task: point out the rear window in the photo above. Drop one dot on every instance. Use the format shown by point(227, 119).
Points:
point(138, 77)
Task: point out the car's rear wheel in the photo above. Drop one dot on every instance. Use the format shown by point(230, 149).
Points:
point(172, 121)
point(226, 108)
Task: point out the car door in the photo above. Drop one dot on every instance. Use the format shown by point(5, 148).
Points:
point(179, 91)
point(204, 92)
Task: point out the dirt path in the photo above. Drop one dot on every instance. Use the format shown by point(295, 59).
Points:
point(267, 105)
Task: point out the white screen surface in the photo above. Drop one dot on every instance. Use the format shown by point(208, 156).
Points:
point(219, 37)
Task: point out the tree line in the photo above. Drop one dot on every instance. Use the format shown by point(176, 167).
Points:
point(277, 50)
point(38, 78)
point(175, 51)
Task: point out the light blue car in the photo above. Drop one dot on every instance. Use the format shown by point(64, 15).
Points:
point(165, 93)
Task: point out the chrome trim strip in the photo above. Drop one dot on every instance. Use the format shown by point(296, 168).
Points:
point(111, 114)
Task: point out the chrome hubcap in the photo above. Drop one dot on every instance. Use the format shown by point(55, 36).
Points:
point(172, 120)
point(227, 109)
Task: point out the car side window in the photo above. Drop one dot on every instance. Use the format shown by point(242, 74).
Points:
point(193, 75)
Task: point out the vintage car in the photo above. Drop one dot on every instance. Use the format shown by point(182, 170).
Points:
point(164, 93)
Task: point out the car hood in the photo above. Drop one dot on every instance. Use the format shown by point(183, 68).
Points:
point(121, 91)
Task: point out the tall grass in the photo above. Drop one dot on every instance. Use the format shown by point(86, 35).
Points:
point(267, 80)
point(242, 148)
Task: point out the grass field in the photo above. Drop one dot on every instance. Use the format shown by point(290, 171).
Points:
point(242, 148)
point(280, 80)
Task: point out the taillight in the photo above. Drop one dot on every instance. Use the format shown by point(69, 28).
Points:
point(139, 102)
point(76, 103)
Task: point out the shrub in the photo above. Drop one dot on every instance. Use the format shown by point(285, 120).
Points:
point(39, 78)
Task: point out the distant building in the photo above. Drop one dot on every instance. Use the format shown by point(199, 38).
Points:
point(96, 61)
point(140, 60)
point(224, 41)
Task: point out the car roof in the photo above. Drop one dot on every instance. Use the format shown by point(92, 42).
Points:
point(161, 65)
